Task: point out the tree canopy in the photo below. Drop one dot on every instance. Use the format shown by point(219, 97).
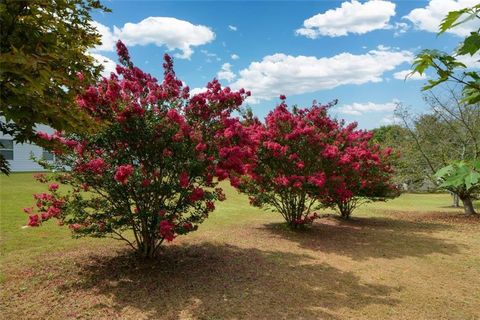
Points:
point(43, 49)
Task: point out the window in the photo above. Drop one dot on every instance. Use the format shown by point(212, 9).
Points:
point(6, 148)
point(47, 155)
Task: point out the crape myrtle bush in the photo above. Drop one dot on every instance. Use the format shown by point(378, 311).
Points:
point(363, 173)
point(154, 166)
point(305, 160)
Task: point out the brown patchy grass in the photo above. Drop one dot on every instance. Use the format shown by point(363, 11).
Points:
point(384, 264)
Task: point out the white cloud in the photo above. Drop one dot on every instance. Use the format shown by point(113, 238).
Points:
point(284, 74)
point(234, 56)
point(173, 33)
point(404, 75)
point(400, 28)
point(430, 17)
point(472, 62)
point(226, 73)
point(107, 38)
point(358, 109)
point(208, 54)
point(390, 119)
point(351, 17)
point(195, 91)
point(108, 64)
point(232, 28)
point(381, 47)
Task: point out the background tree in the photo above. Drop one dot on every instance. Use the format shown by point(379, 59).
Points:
point(43, 46)
point(463, 179)
point(150, 169)
point(430, 141)
point(409, 169)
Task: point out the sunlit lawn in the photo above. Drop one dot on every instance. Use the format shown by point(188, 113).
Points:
point(410, 258)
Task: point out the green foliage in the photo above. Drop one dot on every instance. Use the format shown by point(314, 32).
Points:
point(460, 175)
point(446, 65)
point(428, 142)
point(41, 55)
point(463, 179)
point(443, 64)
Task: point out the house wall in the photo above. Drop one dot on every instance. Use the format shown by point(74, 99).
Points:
point(22, 153)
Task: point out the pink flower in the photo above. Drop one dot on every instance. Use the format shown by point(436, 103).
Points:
point(167, 153)
point(201, 147)
point(281, 181)
point(297, 184)
point(330, 151)
point(197, 194)
point(173, 115)
point(96, 166)
point(33, 220)
point(44, 136)
point(53, 187)
point(317, 180)
point(166, 230)
point(183, 179)
point(53, 212)
point(123, 173)
point(210, 205)
point(283, 97)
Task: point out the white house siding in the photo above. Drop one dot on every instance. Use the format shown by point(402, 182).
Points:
point(22, 153)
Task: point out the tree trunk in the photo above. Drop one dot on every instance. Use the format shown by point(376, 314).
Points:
point(456, 200)
point(147, 249)
point(345, 210)
point(345, 215)
point(468, 205)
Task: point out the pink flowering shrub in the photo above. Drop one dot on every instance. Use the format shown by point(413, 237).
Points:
point(305, 160)
point(151, 168)
point(363, 172)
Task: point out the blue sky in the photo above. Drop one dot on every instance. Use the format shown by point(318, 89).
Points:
point(353, 51)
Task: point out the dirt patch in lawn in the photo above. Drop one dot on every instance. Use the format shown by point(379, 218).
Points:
point(366, 238)
point(366, 268)
point(206, 281)
point(442, 217)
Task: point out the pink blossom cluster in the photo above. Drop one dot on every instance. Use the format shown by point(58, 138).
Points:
point(48, 205)
point(308, 155)
point(123, 172)
point(158, 149)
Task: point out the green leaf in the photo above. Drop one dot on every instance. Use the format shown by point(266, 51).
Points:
point(450, 20)
point(470, 45)
point(472, 179)
point(444, 171)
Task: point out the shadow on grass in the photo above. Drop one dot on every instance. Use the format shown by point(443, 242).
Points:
point(210, 281)
point(453, 217)
point(364, 238)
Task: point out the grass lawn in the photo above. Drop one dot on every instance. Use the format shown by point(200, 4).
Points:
point(410, 258)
